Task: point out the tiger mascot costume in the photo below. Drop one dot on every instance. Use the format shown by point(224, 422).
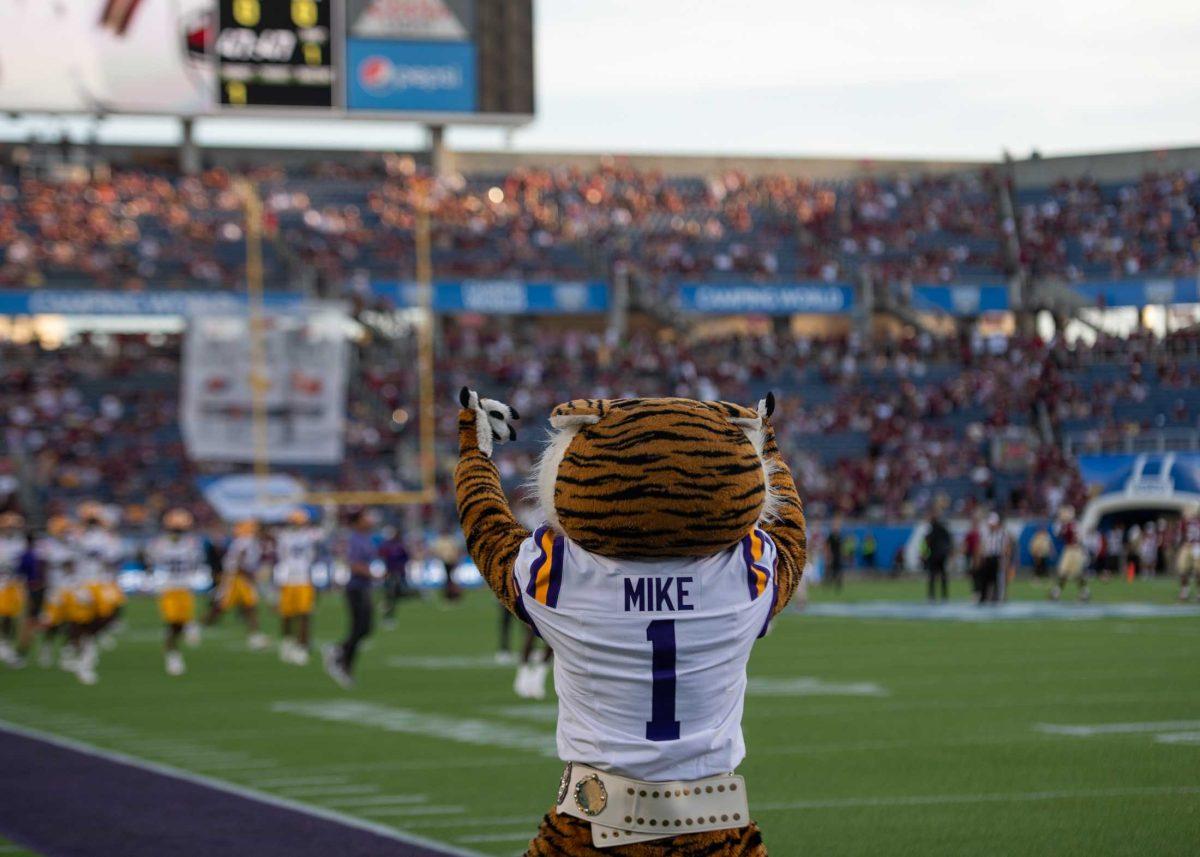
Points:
point(673, 535)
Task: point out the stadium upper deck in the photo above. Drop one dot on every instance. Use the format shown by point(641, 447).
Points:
point(132, 228)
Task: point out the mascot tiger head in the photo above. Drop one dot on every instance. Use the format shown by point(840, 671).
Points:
point(652, 478)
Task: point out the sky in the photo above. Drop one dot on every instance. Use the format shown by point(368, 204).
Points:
point(875, 78)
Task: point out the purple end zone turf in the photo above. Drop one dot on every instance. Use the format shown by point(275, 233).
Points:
point(64, 803)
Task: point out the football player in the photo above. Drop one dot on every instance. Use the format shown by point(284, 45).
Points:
point(1072, 560)
point(1187, 560)
point(296, 544)
point(237, 589)
point(68, 610)
point(176, 556)
point(98, 554)
point(13, 546)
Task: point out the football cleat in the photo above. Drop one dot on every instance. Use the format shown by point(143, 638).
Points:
point(332, 661)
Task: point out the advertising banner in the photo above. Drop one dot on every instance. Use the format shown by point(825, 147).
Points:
point(782, 299)
point(168, 303)
point(107, 56)
point(960, 299)
point(434, 77)
point(502, 297)
point(304, 382)
point(1137, 293)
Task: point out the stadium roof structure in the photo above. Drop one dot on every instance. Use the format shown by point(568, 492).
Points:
point(1168, 482)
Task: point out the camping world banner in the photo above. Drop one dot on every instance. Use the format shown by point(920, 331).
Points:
point(305, 401)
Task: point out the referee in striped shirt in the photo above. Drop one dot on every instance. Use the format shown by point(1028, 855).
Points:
point(994, 549)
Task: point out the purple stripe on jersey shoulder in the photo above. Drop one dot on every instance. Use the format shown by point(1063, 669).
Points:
point(752, 567)
point(557, 549)
point(531, 587)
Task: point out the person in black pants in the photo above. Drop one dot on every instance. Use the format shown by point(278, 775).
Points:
point(394, 554)
point(834, 544)
point(938, 545)
point(994, 550)
point(361, 551)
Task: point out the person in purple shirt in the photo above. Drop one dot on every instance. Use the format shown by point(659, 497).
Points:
point(359, 551)
point(394, 554)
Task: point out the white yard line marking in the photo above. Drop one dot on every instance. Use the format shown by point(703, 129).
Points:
point(810, 686)
point(1087, 730)
point(528, 713)
point(863, 746)
point(463, 730)
point(389, 812)
point(1009, 797)
point(1010, 611)
point(234, 767)
point(234, 789)
point(819, 709)
point(298, 781)
point(322, 791)
point(376, 800)
point(480, 838)
point(1178, 738)
point(422, 765)
point(448, 662)
point(531, 821)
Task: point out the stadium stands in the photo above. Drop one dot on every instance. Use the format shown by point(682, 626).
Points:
point(874, 432)
point(135, 228)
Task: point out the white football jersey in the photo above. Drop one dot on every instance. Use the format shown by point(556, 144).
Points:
point(649, 657)
point(244, 554)
point(97, 553)
point(175, 559)
point(12, 548)
point(295, 554)
point(58, 559)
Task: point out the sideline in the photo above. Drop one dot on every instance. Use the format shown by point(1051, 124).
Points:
point(24, 818)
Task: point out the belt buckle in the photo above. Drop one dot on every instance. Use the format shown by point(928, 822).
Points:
point(591, 796)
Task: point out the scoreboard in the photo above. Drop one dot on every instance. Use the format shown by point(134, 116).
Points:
point(443, 61)
point(274, 54)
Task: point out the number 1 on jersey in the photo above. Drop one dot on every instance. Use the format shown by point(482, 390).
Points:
point(662, 726)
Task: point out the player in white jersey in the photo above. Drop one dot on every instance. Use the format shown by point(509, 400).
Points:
point(13, 545)
point(69, 610)
point(176, 556)
point(296, 545)
point(98, 558)
point(237, 589)
point(1187, 560)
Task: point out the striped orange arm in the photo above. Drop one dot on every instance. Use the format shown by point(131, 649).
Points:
point(788, 530)
point(493, 535)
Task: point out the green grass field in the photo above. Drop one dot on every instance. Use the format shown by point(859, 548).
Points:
point(866, 737)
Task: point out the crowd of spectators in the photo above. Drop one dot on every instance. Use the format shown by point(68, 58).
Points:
point(124, 227)
point(1081, 229)
point(873, 430)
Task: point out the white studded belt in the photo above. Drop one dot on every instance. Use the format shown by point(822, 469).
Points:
point(623, 810)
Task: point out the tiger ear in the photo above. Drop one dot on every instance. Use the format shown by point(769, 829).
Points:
point(766, 407)
point(578, 412)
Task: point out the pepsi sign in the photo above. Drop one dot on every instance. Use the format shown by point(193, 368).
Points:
point(432, 77)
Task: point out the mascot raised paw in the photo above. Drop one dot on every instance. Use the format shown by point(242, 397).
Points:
point(673, 534)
